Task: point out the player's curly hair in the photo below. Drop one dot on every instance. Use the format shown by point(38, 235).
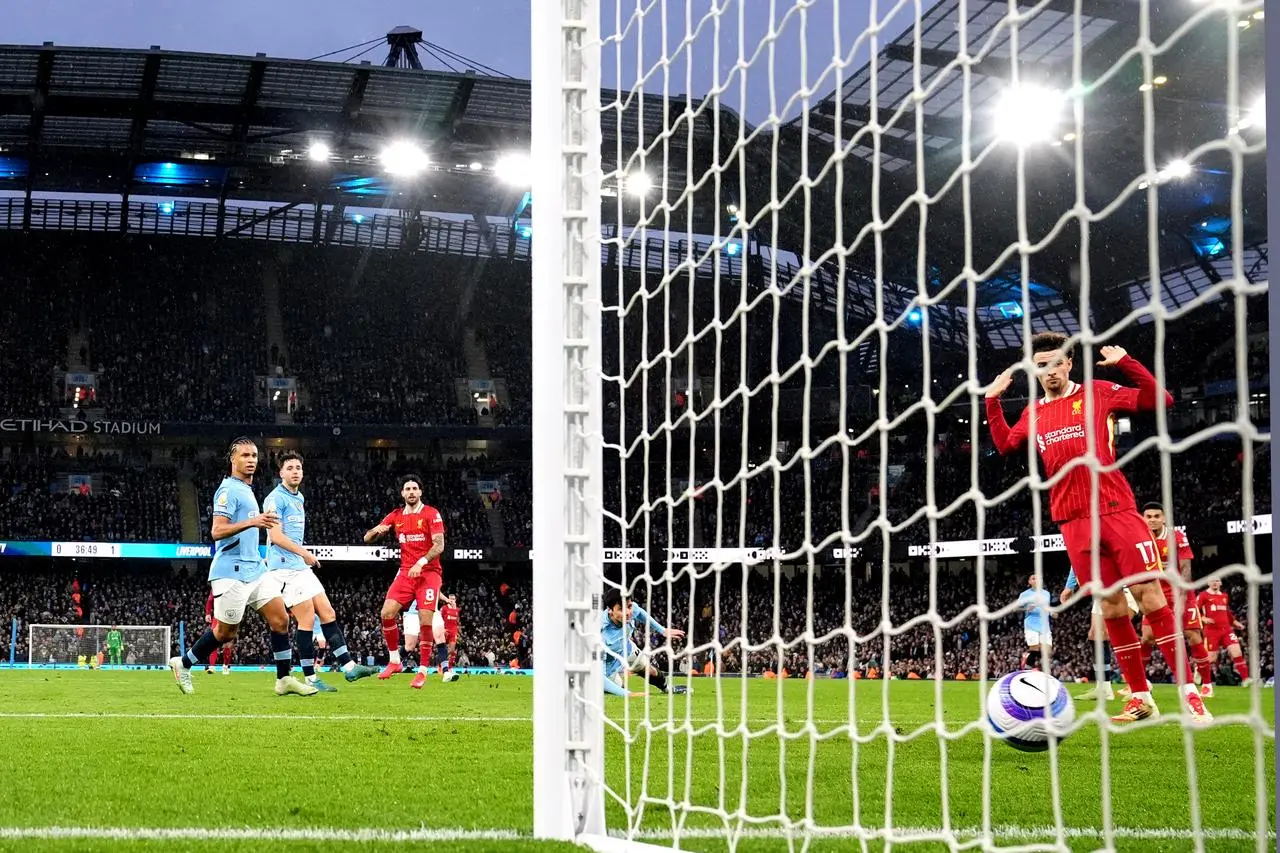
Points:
point(612, 598)
point(410, 478)
point(1050, 341)
point(288, 456)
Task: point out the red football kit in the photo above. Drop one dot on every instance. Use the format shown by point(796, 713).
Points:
point(450, 616)
point(414, 531)
point(1124, 548)
point(1190, 612)
point(1220, 629)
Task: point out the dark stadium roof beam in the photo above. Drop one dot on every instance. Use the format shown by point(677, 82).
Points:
point(138, 128)
point(458, 103)
point(39, 99)
point(248, 102)
point(890, 145)
point(939, 126)
point(258, 220)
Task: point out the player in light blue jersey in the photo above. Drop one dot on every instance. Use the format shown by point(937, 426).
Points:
point(238, 577)
point(618, 623)
point(1034, 603)
point(304, 595)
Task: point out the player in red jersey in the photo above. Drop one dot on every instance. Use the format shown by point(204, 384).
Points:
point(227, 651)
point(420, 530)
point(1126, 555)
point(1184, 602)
point(451, 617)
point(1221, 626)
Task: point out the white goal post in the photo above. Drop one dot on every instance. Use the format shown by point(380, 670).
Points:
point(767, 239)
point(80, 645)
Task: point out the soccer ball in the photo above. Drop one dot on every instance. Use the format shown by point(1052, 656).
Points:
point(1025, 708)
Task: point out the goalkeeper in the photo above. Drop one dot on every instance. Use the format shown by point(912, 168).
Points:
point(618, 622)
point(115, 646)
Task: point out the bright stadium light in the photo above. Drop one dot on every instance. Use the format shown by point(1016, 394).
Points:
point(403, 159)
point(1028, 114)
point(319, 151)
point(638, 184)
point(1176, 169)
point(514, 168)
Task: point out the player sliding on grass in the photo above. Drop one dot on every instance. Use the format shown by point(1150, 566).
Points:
point(239, 577)
point(1125, 552)
point(304, 595)
point(420, 531)
point(618, 623)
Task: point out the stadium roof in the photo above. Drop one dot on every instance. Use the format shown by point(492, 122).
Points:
point(85, 119)
point(1189, 107)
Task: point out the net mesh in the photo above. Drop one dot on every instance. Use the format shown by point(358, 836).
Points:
point(827, 227)
point(81, 645)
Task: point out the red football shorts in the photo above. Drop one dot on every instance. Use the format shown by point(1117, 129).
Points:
point(424, 589)
point(451, 633)
point(1190, 613)
point(1217, 639)
point(1126, 553)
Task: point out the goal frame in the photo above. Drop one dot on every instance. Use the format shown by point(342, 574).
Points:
point(568, 524)
point(31, 635)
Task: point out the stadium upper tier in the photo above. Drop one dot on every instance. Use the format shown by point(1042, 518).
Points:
point(190, 330)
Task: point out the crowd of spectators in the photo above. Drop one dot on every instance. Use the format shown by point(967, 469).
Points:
point(371, 339)
point(494, 611)
point(176, 335)
point(103, 497)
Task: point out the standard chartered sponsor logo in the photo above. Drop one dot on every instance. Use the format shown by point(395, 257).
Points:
point(1064, 434)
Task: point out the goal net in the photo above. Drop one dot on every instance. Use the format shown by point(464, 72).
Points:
point(88, 645)
point(781, 253)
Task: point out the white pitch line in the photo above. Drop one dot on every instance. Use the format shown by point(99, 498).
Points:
point(425, 834)
point(372, 718)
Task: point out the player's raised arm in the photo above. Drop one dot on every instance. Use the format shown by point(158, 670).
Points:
point(1006, 439)
point(382, 528)
point(1146, 391)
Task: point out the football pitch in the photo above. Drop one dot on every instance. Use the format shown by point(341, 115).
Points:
point(123, 761)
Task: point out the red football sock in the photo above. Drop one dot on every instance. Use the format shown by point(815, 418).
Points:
point(1125, 645)
point(1200, 657)
point(391, 633)
point(213, 658)
point(1241, 665)
point(227, 653)
point(1169, 639)
point(1145, 651)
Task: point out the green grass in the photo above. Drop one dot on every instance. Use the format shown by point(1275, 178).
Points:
point(457, 759)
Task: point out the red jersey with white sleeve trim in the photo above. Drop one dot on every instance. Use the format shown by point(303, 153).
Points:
point(414, 531)
point(1217, 607)
point(1062, 438)
point(450, 615)
point(1184, 553)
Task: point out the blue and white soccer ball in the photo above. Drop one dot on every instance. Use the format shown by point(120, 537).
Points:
point(1026, 708)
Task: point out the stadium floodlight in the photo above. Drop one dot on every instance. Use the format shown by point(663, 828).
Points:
point(638, 184)
point(403, 159)
point(513, 168)
point(1025, 115)
point(319, 151)
point(1178, 168)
